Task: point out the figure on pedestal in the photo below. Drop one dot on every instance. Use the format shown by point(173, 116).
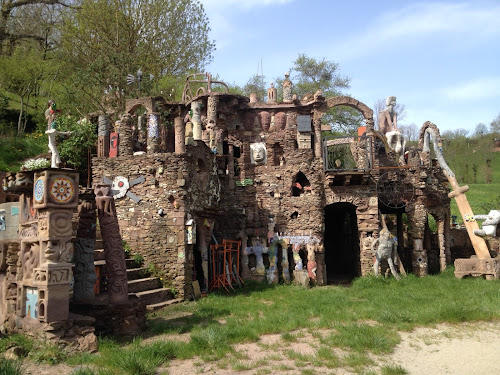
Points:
point(51, 115)
point(287, 89)
point(388, 118)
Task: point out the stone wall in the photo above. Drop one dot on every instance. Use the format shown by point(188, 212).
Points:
point(176, 188)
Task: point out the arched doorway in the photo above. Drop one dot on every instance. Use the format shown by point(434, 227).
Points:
point(341, 241)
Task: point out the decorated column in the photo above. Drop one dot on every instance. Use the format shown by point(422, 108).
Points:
point(103, 136)
point(196, 120)
point(180, 146)
point(46, 262)
point(125, 133)
point(212, 104)
point(153, 133)
point(113, 247)
point(418, 220)
point(317, 135)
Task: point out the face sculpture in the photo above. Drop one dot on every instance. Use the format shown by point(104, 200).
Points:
point(258, 153)
point(390, 103)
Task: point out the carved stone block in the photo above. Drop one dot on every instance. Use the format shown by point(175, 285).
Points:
point(56, 189)
point(53, 275)
point(477, 267)
point(55, 223)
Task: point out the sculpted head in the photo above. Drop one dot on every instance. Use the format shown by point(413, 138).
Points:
point(390, 103)
point(258, 152)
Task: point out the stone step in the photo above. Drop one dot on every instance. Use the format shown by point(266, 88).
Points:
point(157, 306)
point(141, 285)
point(137, 273)
point(99, 254)
point(130, 263)
point(155, 296)
point(99, 244)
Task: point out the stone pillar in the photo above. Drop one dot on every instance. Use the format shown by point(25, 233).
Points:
point(230, 167)
point(441, 223)
point(46, 260)
point(287, 89)
point(318, 146)
point(153, 133)
point(180, 147)
point(370, 125)
point(418, 220)
point(419, 258)
point(113, 248)
point(212, 103)
point(125, 133)
point(272, 94)
point(85, 277)
point(142, 131)
point(103, 136)
point(196, 120)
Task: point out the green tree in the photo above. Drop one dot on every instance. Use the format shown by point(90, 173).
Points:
point(21, 74)
point(256, 84)
point(27, 20)
point(105, 40)
point(309, 75)
point(495, 125)
point(480, 130)
point(74, 149)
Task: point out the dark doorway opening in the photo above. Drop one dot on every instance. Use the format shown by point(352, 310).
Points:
point(341, 243)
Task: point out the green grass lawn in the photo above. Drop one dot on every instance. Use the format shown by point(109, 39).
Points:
point(361, 319)
point(482, 198)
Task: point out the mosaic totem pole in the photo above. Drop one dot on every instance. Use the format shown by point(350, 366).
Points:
point(103, 136)
point(153, 133)
point(46, 246)
point(113, 247)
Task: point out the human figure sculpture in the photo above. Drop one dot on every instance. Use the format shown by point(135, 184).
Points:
point(258, 151)
point(311, 261)
point(287, 89)
point(387, 244)
point(489, 227)
point(388, 117)
point(397, 143)
point(51, 114)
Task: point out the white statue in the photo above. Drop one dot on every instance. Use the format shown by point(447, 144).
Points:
point(387, 245)
point(388, 118)
point(51, 116)
point(489, 227)
point(397, 143)
point(258, 154)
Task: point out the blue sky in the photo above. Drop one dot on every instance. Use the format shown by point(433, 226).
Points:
point(440, 59)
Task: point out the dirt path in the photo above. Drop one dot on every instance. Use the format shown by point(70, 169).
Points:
point(461, 349)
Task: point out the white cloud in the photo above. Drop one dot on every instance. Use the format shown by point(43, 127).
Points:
point(461, 22)
point(479, 88)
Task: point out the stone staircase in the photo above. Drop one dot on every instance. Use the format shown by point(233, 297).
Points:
point(140, 283)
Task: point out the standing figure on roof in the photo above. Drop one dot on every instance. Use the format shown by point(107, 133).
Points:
point(388, 118)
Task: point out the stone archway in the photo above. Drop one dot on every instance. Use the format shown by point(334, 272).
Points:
point(336, 101)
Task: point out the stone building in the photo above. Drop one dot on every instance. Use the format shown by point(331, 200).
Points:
point(220, 166)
